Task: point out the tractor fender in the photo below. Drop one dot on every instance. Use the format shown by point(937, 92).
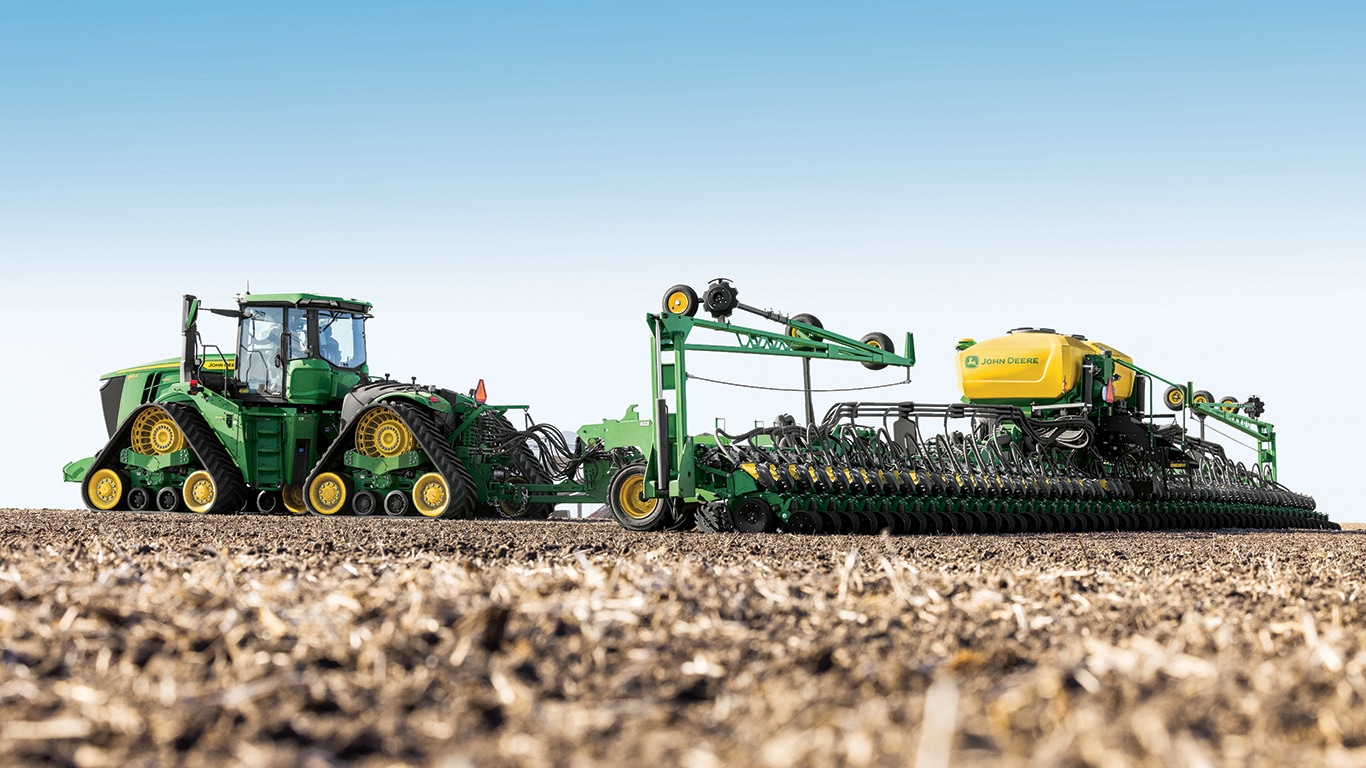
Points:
point(384, 389)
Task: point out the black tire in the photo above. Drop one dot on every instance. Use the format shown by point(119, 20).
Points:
point(754, 515)
point(138, 498)
point(1174, 398)
point(168, 499)
point(878, 341)
point(1202, 396)
point(680, 300)
point(365, 503)
point(628, 504)
point(396, 503)
point(800, 334)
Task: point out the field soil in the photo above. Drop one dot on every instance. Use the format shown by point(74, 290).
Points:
point(171, 639)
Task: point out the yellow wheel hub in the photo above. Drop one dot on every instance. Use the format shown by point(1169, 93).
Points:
point(632, 499)
point(382, 434)
point(678, 302)
point(327, 493)
point(431, 495)
point(293, 498)
point(1174, 397)
point(154, 433)
point(199, 491)
point(106, 489)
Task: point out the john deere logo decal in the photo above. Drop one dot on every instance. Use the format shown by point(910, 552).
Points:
point(972, 361)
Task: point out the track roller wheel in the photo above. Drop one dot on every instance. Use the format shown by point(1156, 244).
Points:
point(397, 503)
point(680, 300)
point(754, 515)
point(365, 503)
point(139, 498)
point(328, 493)
point(168, 500)
point(292, 496)
point(431, 495)
point(105, 488)
point(804, 522)
point(626, 499)
point(200, 492)
point(267, 502)
point(877, 341)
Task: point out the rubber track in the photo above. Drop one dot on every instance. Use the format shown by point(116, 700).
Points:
point(213, 457)
point(464, 503)
point(463, 500)
point(205, 446)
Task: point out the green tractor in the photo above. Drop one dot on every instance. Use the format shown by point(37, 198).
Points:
point(293, 419)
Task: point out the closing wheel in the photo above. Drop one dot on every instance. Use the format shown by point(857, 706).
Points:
point(365, 503)
point(292, 496)
point(680, 300)
point(877, 341)
point(626, 499)
point(155, 433)
point(328, 493)
point(105, 488)
point(1174, 398)
point(380, 433)
point(754, 515)
point(431, 495)
point(168, 499)
point(199, 492)
point(396, 503)
point(139, 498)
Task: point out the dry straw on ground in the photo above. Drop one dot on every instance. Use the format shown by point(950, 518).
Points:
point(150, 640)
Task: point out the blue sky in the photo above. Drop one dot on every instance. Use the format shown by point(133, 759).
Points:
point(1185, 181)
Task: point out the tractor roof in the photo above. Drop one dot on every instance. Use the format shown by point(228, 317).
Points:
point(311, 300)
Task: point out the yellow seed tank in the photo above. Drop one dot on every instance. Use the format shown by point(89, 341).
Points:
point(1032, 367)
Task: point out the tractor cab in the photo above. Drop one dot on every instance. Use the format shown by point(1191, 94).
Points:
point(299, 349)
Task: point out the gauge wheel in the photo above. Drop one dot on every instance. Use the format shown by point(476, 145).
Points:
point(880, 341)
point(680, 300)
point(626, 499)
point(1174, 398)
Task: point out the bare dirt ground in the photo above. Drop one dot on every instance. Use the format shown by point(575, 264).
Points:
point(171, 639)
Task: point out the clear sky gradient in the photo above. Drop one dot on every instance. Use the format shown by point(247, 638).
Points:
point(515, 184)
